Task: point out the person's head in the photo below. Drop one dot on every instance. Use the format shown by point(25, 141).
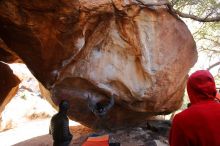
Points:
point(64, 105)
point(201, 86)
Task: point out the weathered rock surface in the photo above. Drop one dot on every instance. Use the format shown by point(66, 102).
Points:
point(8, 85)
point(139, 52)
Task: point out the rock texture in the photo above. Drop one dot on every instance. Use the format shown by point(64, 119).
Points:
point(137, 51)
point(8, 85)
point(6, 55)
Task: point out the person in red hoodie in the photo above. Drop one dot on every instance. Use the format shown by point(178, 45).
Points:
point(198, 125)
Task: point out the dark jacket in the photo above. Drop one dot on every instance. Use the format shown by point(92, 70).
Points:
point(59, 128)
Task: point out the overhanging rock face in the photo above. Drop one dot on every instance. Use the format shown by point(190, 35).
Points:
point(76, 49)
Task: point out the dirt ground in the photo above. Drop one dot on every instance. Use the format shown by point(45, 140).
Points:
point(36, 134)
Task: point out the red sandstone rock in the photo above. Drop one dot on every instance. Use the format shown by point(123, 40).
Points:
point(6, 55)
point(140, 53)
point(8, 85)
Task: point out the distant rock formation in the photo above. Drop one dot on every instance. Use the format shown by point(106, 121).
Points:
point(137, 51)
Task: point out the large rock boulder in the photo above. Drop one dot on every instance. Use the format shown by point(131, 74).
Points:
point(137, 51)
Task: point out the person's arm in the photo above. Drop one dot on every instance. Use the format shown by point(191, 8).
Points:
point(177, 136)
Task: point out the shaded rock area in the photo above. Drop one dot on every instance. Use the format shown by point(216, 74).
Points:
point(8, 85)
point(6, 55)
point(137, 51)
point(152, 133)
point(26, 104)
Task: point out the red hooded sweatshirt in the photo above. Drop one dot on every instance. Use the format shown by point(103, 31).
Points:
point(199, 125)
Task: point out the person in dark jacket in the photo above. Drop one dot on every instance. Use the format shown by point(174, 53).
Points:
point(59, 126)
point(198, 125)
